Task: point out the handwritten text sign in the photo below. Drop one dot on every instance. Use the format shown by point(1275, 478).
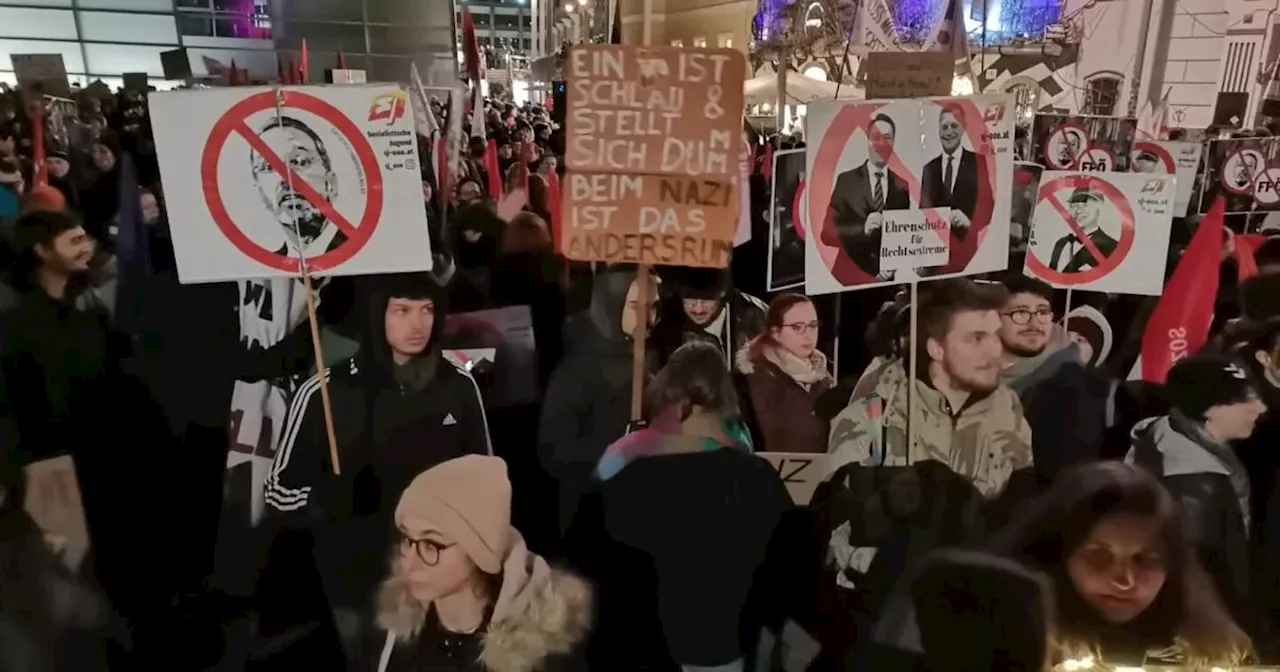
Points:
point(903, 74)
point(53, 502)
point(649, 219)
point(653, 162)
point(915, 239)
point(663, 110)
point(800, 472)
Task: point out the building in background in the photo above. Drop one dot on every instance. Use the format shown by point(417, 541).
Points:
point(103, 39)
point(689, 23)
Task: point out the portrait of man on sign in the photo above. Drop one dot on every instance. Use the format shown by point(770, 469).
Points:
point(950, 180)
point(1245, 169)
point(1070, 255)
point(860, 197)
point(304, 153)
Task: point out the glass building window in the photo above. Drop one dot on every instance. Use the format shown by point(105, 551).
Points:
point(38, 24)
point(1101, 96)
point(72, 57)
point(113, 27)
point(108, 58)
point(132, 5)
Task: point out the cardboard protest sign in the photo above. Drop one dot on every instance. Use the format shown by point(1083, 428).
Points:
point(786, 221)
point(136, 81)
point(907, 189)
point(43, 72)
point(262, 178)
point(1096, 144)
point(653, 155)
point(1102, 232)
point(1168, 157)
point(53, 502)
point(504, 338)
point(800, 472)
point(1245, 172)
point(906, 74)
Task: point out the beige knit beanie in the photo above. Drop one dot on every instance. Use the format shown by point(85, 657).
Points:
point(469, 500)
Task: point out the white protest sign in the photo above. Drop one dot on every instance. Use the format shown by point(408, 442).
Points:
point(1102, 232)
point(259, 178)
point(800, 472)
point(870, 163)
point(1169, 157)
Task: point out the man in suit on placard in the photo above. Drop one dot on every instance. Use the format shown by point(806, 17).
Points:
point(860, 197)
point(950, 180)
point(1070, 255)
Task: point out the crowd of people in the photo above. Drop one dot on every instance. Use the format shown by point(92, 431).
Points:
point(1096, 517)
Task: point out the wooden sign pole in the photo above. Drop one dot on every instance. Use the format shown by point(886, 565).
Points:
point(638, 339)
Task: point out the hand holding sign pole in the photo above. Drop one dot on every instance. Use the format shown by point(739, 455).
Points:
point(326, 404)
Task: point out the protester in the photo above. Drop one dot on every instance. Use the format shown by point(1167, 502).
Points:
point(785, 375)
point(465, 592)
point(706, 307)
point(675, 572)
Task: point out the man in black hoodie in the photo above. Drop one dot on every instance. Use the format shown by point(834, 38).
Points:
point(399, 408)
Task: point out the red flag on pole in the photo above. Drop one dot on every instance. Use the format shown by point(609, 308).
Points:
point(471, 48)
point(1246, 246)
point(342, 61)
point(1179, 326)
point(304, 71)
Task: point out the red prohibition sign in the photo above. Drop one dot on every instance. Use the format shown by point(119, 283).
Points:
point(854, 119)
point(1163, 154)
point(797, 202)
point(1085, 145)
point(235, 121)
point(1107, 264)
point(1225, 181)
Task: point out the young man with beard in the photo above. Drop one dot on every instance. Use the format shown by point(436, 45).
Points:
point(399, 408)
point(1065, 403)
point(707, 308)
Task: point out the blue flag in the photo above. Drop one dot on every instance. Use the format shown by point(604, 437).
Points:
point(133, 253)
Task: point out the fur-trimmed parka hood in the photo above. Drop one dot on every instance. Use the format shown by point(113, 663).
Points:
point(541, 613)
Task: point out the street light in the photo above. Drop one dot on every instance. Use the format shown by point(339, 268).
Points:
point(568, 6)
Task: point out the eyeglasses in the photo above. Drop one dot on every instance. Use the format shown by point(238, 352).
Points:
point(802, 328)
point(428, 551)
point(1021, 317)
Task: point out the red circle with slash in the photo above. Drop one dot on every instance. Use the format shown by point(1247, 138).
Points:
point(235, 122)
point(1239, 155)
point(1062, 129)
point(1049, 192)
point(797, 202)
point(853, 120)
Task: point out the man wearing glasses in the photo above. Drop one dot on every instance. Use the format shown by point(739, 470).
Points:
point(1064, 402)
point(710, 310)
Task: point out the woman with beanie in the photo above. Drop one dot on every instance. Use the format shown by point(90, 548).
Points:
point(677, 530)
point(465, 594)
point(1214, 402)
point(785, 375)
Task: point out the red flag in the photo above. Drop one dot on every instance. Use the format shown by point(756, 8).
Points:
point(304, 72)
point(766, 166)
point(342, 61)
point(1179, 326)
point(35, 111)
point(471, 48)
point(553, 205)
point(1246, 246)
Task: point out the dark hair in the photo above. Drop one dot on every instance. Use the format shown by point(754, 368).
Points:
point(779, 306)
point(1187, 609)
point(41, 227)
point(696, 375)
point(943, 299)
point(885, 118)
point(1017, 283)
point(297, 125)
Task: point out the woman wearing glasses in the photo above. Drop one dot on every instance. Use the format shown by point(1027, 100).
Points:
point(465, 594)
point(785, 375)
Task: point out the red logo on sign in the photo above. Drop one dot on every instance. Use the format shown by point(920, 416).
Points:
point(1153, 187)
point(995, 113)
point(389, 106)
point(235, 121)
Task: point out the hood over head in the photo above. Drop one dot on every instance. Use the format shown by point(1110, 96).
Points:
point(608, 299)
point(376, 291)
point(540, 612)
point(1094, 327)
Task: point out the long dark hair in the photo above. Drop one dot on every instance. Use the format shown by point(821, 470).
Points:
point(1187, 613)
point(696, 375)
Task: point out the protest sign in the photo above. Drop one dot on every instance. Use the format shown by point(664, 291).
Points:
point(786, 226)
point(906, 74)
point(42, 72)
point(262, 178)
point(53, 502)
point(1096, 144)
point(1168, 157)
point(1239, 170)
point(1026, 185)
point(1087, 227)
point(503, 337)
point(653, 157)
point(800, 473)
point(907, 189)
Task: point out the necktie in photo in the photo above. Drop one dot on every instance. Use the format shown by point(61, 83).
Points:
point(878, 192)
point(946, 175)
